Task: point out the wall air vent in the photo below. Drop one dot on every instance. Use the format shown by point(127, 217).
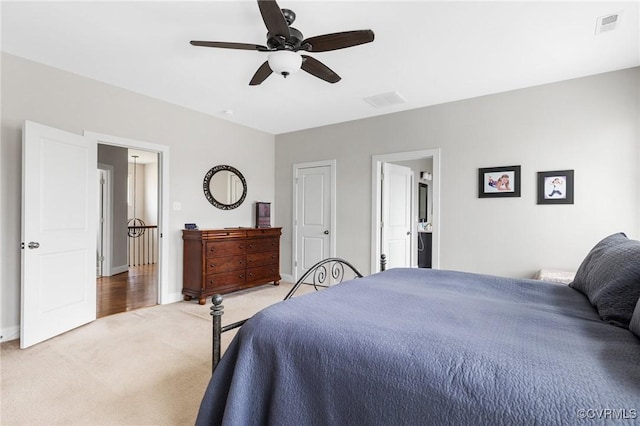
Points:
point(386, 100)
point(607, 22)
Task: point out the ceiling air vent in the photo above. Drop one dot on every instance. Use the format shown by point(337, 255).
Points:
point(607, 22)
point(385, 100)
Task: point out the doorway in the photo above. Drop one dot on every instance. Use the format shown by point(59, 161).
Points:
point(122, 273)
point(60, 208)
point(129, 259)
point(377, 204)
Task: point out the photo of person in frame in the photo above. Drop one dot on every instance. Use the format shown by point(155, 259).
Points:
point(502, 183)
point(555, 187)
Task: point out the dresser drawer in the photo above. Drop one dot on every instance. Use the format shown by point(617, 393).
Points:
point(258, 245)
point(225, 248)
point(224, 234)
point(261, 259)
point(225, 264)
point(263, 273)
point(264, 232)
point(225, 279)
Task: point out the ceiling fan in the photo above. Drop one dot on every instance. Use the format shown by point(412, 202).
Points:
point(284, 42)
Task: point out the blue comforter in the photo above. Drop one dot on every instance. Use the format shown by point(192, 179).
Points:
point(428, 347)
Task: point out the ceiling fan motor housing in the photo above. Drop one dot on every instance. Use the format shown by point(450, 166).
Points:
point(293, 42)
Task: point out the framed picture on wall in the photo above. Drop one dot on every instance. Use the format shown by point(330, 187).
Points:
point(555, 187)
point(498, 182)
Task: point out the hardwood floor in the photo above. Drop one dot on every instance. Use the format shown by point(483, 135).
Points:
point(131, 290)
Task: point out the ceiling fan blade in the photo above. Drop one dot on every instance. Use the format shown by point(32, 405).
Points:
point(320, 70)
point(226, 45)
point(261, 75)
point(273, 18)
point(335, 41)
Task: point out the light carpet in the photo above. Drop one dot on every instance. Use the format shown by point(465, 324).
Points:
point(145, 367)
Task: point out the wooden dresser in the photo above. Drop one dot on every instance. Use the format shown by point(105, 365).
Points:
point(226, 260)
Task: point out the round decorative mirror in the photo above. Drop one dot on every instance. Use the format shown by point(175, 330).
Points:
point(225, 187)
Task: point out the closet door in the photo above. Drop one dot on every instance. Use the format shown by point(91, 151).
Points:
point(313, 216)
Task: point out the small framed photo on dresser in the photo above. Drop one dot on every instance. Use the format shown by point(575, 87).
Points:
point(263, 215)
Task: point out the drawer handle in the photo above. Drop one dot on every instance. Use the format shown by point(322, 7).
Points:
point(211, 281)
point(250, 274)
point(250, 245)
point(213, 265)
point(240, 246)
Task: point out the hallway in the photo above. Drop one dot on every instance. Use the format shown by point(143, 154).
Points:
point(137, 288)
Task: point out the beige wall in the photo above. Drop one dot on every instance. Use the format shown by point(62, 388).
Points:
point(589, 124)
point(196, 142)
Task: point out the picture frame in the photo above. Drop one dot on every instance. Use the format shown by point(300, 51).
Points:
point(263, 215)
point(555, 187)
point(499, 182)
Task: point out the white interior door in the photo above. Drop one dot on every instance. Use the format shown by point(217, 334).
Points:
point(102, 179)
point(313, 219)
point(397, 190)
point(105, 219)
point(59, 232)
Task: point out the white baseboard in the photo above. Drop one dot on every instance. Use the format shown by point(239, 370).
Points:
point(10, 333)
point(172, 298)
point(286, 277)
point(115, 270)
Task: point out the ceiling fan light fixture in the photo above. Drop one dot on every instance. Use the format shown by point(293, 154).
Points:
point(285, 62)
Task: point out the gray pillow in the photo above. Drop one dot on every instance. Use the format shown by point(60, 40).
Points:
point(610, 278)
point(634, 325)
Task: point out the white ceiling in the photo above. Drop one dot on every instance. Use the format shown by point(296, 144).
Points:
point(429, 52)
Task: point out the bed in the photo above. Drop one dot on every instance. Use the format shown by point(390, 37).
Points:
point(421, 346)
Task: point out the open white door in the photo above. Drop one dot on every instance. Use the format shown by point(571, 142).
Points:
point(397, 190)
point(59, 232)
